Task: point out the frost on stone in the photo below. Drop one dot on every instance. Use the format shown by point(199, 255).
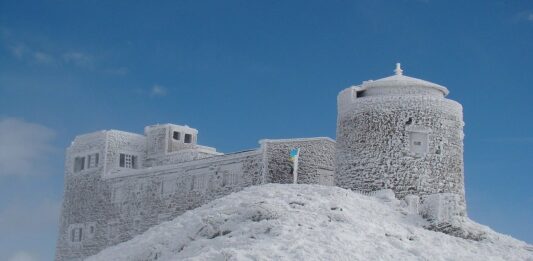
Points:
point(140, 181)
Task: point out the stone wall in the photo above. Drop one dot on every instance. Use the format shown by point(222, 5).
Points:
point(107, 204)
point(375, 147)
point(316, 161)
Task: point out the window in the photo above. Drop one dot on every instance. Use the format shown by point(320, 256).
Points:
point(79, 164)
point(418, 143)
point(76, 234)
point(199, 182)
point(113, 230)
point(188, 138)
point(176, 135)
point(229, 179)
point(90, 231)
point(128, 161)
point(92, 160)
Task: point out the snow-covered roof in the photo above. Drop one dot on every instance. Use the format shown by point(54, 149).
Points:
point(400, 80)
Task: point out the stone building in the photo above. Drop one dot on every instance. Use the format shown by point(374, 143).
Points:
point(401, 133)
point(119, 184)
point(397, 133)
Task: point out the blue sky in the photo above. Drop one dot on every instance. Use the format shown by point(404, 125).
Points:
point(240, 71)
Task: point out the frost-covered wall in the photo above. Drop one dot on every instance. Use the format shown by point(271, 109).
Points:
point(110, 202)
point(400, 133)
point(316, 161)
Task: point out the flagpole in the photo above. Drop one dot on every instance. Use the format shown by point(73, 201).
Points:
point(295, 173)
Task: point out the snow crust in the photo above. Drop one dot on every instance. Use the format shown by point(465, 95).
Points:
point(309, 222)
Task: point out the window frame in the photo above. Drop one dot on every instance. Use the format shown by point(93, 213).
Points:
point(124, 163)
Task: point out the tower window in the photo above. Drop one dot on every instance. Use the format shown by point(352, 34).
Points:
point(188, 138)
point(76, 234)
point(92, 160)
point(176, 135)
point(418, 143)
point(128, 161)
point(79, 164)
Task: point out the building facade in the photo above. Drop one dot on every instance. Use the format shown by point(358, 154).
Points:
point(119, 184)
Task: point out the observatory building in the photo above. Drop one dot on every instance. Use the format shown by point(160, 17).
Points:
point(398, 134)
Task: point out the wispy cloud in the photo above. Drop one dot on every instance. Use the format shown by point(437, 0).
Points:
point(22, 256)
point(78, 58)
point(158, 90)
point(525, 16)
point(43, 58)
point(24, 147)
point(26, 221)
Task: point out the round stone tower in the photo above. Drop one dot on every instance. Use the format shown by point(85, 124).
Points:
point(400, 133)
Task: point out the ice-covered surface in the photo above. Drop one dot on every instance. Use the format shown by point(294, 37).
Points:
point(309, 222)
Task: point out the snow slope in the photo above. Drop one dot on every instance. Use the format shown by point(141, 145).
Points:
point(308, 222)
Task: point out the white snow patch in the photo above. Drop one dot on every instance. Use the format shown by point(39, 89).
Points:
point(308, 222)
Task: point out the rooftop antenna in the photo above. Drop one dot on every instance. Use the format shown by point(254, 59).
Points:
point(398, 69)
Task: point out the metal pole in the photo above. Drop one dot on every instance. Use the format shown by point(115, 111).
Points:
point(295, 174)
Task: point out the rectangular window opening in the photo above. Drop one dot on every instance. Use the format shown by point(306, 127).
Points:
point(176, 135)
point(188, 138)
point(92, 160)
point(79, 164)
point(128, 161)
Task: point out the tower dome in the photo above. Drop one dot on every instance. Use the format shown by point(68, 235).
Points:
point(401, 83)
point(400, 133)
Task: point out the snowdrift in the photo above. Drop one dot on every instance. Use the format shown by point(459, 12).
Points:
point(309, 222)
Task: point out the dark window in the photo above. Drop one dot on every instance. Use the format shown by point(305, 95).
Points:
point(92, 161)
point(176, 135)
point(128, 161)
point(417, 143)
point(76, 235)
point(360, 94)
point(188, 138)
point(79, 164)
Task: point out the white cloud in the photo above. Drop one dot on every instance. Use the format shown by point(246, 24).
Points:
point(158, 90)
point(26, 223)
point(43, 58)
point(524, 16)
point(18, 50)
point(21, 217)
point(78, 58)
point(22, 256)
point(24, 147)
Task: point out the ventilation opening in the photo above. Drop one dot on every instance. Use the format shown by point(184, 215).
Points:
point(360, 94)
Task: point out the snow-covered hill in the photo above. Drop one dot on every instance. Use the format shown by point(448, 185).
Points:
point(309, 222)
